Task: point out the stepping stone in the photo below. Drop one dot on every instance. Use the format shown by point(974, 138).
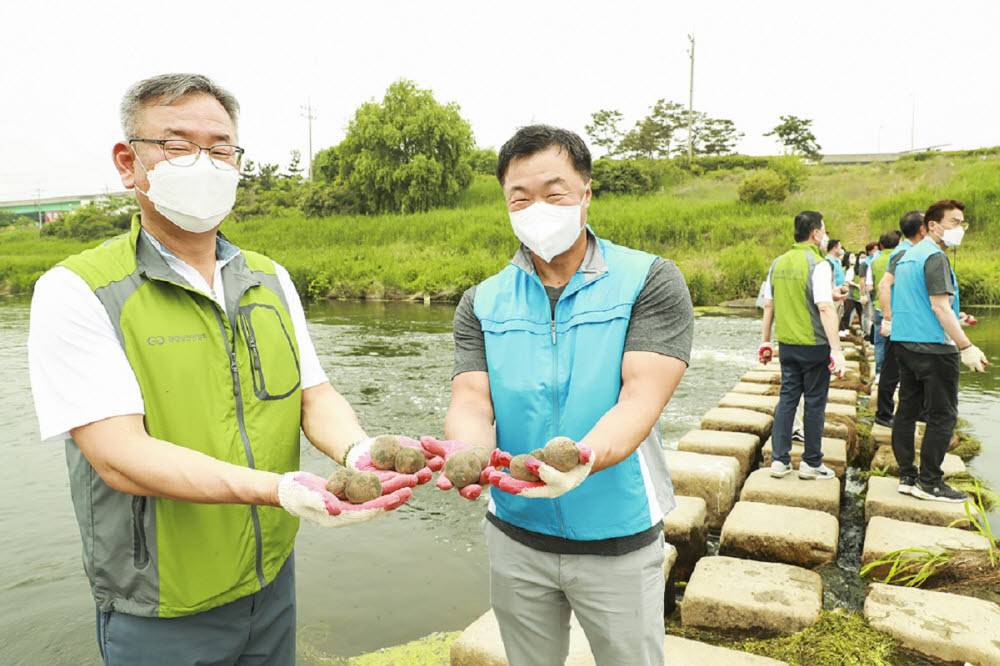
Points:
point(834, 454)
point(885, 535)
point(842, 396)
point(740, 445)
point(948, 627)
point(686, 528)
point(738, 420)
point(884, 500)
point(883, 435)
point(764, 404)
point(834, 430)
point(732, 594)
point(762, 377)
point(850, 411)
point(774, 533)
point(686, 651)
point(752, 388)
point(715, 479)
point(817, 494)
point(885, 459)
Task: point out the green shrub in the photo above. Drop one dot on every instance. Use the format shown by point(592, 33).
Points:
point(483, 161)
point(624, 176)
point(792, 168)
point(323, 200)
point(763, 186)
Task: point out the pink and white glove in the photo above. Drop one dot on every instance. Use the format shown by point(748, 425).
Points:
point(359, 457)
point(439, 450)
point(304, 495)
point(837, 363)
point(765, 352)
point(553, 483)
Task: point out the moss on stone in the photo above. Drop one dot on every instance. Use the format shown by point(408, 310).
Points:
point(433, 650)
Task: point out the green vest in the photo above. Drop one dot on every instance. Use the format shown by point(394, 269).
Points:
point(226, 384)
point(796, 317)
point(877, 269)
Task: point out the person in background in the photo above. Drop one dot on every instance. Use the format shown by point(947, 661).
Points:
point(876, 269)
point(912, 228)
point(864, 273)
point(857, 293)
point(930, 345)
point(179, 371)
point(799, 303)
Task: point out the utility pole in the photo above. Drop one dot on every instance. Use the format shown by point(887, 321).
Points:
point(308, 114)
point(913, 119)
point(691, 105)
point(38, 208)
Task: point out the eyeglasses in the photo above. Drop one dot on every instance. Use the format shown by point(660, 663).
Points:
point(184, 153)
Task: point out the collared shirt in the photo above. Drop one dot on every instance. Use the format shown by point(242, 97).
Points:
point(78, 368)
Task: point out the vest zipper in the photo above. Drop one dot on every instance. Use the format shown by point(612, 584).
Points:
point(238, 396)
point(555, 403)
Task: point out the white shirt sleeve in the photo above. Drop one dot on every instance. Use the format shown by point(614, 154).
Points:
point(309, 365)
point(766, 291)
point(78, 369)
point(823, 283)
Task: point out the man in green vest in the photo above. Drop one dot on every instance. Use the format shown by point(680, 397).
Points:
point(179, 371)
point(799, 296)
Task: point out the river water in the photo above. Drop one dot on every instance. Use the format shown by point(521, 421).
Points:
point(422, 568)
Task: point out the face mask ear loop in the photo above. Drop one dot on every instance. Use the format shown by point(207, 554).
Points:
point(144, 170)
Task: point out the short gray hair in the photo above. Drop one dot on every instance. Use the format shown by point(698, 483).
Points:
point(167, 89)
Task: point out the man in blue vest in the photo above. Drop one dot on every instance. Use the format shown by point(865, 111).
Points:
point(929, 342)
point(835, 254)
point(911, 225)
point(799, 300)
point(587, 340)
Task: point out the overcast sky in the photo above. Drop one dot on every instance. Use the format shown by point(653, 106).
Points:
point(856, 68)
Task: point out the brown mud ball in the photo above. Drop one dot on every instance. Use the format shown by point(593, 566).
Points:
point(463, 468)
point(539, 455)
point(337, 483)
point(410, 460)
point(364, 487)
point(384, 450)
point(561, 453)
point(483, 454)
point(519, 471)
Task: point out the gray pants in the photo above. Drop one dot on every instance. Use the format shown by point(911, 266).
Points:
point(256, 629)
point(618, 601)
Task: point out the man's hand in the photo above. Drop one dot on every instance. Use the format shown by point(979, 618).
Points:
point(439, 451)
point(553, 482)
point(765, 353)
point(304, 495)
point(864, 297)
point(974, 359)
point(837, 363)
point(840, 293)
point(359, 458)
point(886, 329)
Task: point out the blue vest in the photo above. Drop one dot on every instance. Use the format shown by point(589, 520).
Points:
point(838, 271)
point(557, 377)
point(913, 320)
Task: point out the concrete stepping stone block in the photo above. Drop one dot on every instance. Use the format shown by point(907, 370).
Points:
point(764, 404)
point(738, 420)
point(884, 499)
point(817, 494)
point(948, 627)
point(686, 528)
point(885, 459)
point(840, 396)
point(885, 535)
point(835, 430)
point(715, 479)
point(686, 652)
point(740, 445)
point(762, 377)
point(753, 388)
point(840, 409)
point(774, 533)
point(834, 454)
point(883, 435)
point(730, 594)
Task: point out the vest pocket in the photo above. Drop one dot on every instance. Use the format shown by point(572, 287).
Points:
point(140, 552)
point(274, 365)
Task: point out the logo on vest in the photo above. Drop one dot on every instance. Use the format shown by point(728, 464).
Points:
point(158, 340)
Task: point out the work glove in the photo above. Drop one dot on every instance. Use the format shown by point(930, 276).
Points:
point(304, 495)
point(864, 298)
point(439, 450)
point(837, 363)
point(886, 329)
point(553, 483)
point(965, 319)
point(765, 353)
point(974, 359)
point(359, 458)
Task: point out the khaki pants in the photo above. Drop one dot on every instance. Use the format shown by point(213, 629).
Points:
point(617, 599)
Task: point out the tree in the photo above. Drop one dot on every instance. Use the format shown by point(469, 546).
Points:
point(294, 166)
point(667, 117)
point(483, 161)
point(407, 153)
point(797, 137)
point(326, 165)
point(603, 130)
point(698, 124)
point(719, 137)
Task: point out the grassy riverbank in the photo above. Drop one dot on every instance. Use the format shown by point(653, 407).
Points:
point(723, 246)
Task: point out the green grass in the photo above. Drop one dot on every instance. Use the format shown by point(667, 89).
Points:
point(723, 246)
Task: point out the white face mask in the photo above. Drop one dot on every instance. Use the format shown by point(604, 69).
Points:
point(953, 237)
point(548, 230)
point(196, 198)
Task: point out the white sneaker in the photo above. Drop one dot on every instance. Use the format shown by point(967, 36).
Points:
point(807, 471)
point(798, 435)
point(779, 469)
point(843, 334)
